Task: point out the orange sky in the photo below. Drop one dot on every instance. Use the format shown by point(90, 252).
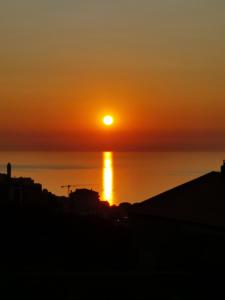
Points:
point(157, 66)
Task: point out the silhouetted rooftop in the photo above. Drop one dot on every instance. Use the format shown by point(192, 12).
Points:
point(201, 200)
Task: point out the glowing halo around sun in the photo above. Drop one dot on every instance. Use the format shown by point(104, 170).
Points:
point(108, 120)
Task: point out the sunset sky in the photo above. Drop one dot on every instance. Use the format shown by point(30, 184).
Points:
point(157, 66)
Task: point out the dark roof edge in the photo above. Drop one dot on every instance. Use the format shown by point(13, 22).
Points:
point(175, 188)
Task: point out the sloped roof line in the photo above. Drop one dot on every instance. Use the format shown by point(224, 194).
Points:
point(178, 187)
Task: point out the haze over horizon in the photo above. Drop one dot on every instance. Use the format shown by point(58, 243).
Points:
point(157, 66)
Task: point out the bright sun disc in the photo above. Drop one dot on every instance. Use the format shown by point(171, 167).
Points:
point(108, 120)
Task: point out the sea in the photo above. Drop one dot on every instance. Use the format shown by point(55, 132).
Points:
point(117, 176)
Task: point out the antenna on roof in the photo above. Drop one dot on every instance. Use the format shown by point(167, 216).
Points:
point(223, 168)
point(9, 170)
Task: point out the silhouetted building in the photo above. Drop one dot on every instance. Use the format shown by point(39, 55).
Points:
point(183, 226)
point(19, 191)
point(86, 202)
point(83, 201)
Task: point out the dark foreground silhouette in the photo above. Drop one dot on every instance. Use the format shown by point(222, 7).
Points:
point(79, 246)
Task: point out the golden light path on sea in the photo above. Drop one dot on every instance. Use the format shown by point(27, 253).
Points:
point(108, 177)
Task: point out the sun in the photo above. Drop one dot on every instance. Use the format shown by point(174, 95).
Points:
point(108, 120)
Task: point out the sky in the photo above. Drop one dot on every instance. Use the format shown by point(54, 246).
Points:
point(157, 66)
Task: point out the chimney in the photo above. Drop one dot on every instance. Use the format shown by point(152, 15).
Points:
point(223, 168)
point(9, 170)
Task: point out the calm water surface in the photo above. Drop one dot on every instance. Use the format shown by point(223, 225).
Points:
point(118, 176)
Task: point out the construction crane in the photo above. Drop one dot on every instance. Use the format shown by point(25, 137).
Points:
point(69, 186)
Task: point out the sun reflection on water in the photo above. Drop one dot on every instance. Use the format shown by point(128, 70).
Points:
point(108, 177)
